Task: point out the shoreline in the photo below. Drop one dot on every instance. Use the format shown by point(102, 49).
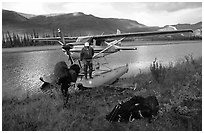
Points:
point(55, 47)
point(30, 49)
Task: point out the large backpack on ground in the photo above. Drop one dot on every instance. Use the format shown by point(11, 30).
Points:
point(135, 108)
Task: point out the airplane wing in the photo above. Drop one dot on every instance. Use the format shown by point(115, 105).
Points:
point(140, 34)
point(117, 35)
point(53, 39)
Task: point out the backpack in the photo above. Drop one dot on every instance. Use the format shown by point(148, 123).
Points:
point(135, 108)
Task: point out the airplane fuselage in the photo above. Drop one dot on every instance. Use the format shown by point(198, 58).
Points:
point(76, 50)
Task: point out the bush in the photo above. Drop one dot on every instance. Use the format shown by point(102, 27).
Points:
point(158, 71)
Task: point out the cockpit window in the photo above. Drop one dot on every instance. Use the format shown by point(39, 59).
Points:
point(83, 39)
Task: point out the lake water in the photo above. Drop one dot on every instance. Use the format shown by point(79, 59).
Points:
point(21, 70)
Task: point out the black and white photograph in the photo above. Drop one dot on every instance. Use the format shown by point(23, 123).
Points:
point(101, 65)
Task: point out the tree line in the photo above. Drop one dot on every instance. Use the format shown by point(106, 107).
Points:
point(10, 40)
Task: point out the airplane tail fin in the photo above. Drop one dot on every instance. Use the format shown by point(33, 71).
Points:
point(118, 33)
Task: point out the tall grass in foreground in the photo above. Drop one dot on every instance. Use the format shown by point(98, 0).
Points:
point(179, 93)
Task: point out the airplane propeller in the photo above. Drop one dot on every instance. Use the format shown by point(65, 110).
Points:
point(65, 46)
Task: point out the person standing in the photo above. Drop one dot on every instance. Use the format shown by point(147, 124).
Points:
point(86, 56)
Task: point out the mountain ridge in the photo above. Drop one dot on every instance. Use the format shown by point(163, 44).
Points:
point(75, 24)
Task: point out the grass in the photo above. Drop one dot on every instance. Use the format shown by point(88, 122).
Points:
point(179, 95)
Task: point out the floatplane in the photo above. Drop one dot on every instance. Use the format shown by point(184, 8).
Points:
point(103, 45)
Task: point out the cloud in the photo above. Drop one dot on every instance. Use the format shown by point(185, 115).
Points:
point(172, 6)
point(161, 13)
point(165, 18)
point(54, 7)
point(24, 7)
point(154, 6)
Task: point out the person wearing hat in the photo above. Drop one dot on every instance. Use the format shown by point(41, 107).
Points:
point(86, 56)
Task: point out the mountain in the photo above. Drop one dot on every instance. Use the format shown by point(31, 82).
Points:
point(74, 24)
point(189, 26)
point(10, 16)
point(197, 28)
point(168, 28)
point(81, 23)
point(16, 23)
point(26, 15)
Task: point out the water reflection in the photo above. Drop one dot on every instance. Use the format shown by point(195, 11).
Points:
point(142, 58)
point(21, 71)
point(34, 66)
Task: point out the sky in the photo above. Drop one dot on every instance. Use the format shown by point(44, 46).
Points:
point(147, 13)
